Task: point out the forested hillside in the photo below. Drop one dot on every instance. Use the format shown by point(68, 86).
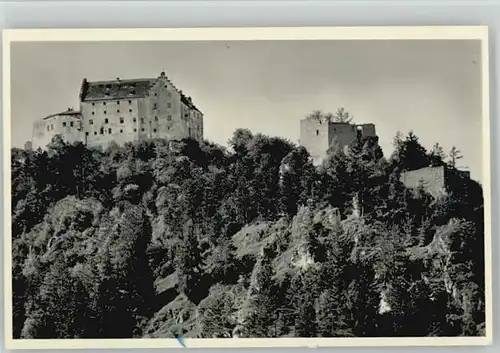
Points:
point(157, 240)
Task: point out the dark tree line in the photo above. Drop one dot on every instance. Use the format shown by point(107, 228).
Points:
point(154, 238)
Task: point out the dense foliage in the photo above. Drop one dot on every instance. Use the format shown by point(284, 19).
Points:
point(157, 239)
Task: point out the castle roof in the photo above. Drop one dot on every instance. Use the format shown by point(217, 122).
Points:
point(67, 112)
point(117, 89)
point(122, 89)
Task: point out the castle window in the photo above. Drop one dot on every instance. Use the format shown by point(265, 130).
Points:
point(154, 130)
point(48, 128)
point(71, 124)
point(104, 103)
point(109, 131)
point(93, 113)
point(106, 121)
point(93, 104)
point(64, 124)
point(185, 115)
point(129, 102)
point(142, 129)
point(52, 126)
point(169, 117)
point(102, 131)
point(156, 118)
point(154, 106)
point(117, 110)
point(156, 94)
point(121, 131)
point(95, 132)
point(169, 105)
point(317, 132)
point(121, 120)
point(87, 133)
point(135, 130)
point(134, 120)
point(117, 102)
point(142, 120)
point(104, 112)
point(130, 110)
point(91, 121)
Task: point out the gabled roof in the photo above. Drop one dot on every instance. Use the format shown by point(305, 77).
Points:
point(67, 112)
point(123, 89)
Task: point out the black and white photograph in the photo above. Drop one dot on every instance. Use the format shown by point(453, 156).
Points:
point(231, 191)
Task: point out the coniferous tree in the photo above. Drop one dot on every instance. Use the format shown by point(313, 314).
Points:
point(302, 295)
point(409, 154)
point(454, 155)
point(437, 155)
point(260, 322)
point(362, 301)
point(190, 264)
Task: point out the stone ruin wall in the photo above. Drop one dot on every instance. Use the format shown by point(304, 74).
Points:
point(433, 179)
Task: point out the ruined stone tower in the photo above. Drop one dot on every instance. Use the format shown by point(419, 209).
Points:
point(318, 135)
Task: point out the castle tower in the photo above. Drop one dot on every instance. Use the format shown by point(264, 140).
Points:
point(317, 135)
point(66, 124)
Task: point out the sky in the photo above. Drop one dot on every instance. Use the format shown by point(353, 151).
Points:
point(431, 87)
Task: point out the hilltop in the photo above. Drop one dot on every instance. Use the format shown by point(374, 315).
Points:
point(156, 239)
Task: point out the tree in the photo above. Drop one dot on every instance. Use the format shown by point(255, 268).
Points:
point(329, 314)
point(61, 309)
point(331, 317)
point(398, 140)
point(19, 292)
point(342, 116)
point(216, 313)
point(316, 115)
point(362, 301)
point(296, 180)
point(126, 284)
point(303, 291)
point(240, 140)
point(113, 318)
point(408, 296)
point(454, 155)
point(189, 262)
point(437, 155)
point(262, 305)
point(221, 263)
point(409, 154)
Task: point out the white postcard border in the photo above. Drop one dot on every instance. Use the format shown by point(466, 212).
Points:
point(245, 34)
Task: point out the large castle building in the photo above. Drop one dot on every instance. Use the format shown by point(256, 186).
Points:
point(123, 111)
point(318, 135)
